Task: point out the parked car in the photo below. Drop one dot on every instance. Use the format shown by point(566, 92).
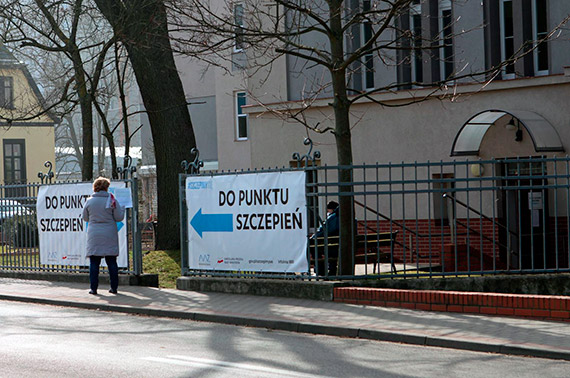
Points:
point(17, 224)
point(10, 208)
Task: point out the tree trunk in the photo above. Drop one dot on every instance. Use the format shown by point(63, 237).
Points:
point(74, 141)
point(100, 149)
point(345, 179)
point(108, 134)
point(341, 106)
point(85, 104)
point(123, 99)
point(143, 30)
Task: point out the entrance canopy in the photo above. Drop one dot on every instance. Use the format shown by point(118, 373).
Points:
point(468, 140)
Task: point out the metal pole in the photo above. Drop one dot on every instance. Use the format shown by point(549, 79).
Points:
point(183, 224)
point(137, 238)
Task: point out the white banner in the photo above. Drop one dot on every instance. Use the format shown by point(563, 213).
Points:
point(62, 232)
point(247, 222)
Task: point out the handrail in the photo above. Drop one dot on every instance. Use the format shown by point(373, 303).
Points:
point(447, 195)
point(388, 219)
point(403, 245)
point(470, 229)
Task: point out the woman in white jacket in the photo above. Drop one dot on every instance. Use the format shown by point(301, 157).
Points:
point(102, 211)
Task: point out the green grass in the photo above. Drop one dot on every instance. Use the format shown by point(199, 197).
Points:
point(164, 263)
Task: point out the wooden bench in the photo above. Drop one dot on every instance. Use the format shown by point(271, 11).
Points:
point(367, 248)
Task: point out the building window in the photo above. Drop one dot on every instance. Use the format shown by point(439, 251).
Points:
point(238, 21)
point(7, 92)
point(540, 31)
point(507, 37)
point(14, 160)
point(416, 29)
point(241, 117)
point(446, 35)
point(368, 59)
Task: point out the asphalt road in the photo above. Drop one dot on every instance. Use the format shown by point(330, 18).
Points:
point(47, 341)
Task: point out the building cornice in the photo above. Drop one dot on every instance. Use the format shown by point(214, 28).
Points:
point(452, 92)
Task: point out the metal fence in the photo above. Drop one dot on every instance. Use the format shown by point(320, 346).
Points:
point(19, 244)
point(436, 219)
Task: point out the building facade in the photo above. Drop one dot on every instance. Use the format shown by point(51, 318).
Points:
point(464, 79)
point(26, 127)
point(239, 111)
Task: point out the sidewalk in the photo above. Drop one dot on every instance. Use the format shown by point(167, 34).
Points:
point(461, 331)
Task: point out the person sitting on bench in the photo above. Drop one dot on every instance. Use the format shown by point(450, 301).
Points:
point(331, 227)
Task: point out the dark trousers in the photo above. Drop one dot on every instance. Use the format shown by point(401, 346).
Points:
point(94, 271)
point(332, 262)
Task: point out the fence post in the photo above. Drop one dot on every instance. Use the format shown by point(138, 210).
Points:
point(194, 168)
point(137, 238)
point(124, 172)
point(183, 224)
point(47, 177)
point(303, 163)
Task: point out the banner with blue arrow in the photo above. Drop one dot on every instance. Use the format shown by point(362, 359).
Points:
point(62, 230)
point(247, 221)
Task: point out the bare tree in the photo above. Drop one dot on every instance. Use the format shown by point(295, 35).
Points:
point(70, 28)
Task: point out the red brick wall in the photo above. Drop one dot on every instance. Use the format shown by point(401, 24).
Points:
point(544, 307)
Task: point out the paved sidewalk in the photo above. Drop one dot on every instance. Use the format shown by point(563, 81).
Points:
point(460, 331)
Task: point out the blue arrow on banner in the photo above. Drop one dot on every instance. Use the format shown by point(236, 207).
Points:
point(212, 222)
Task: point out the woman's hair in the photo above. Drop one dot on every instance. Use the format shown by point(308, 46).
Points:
point(101, 183)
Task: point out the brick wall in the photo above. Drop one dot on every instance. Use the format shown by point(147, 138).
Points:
point(544, 307)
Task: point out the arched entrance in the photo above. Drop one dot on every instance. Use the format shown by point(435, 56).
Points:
point(522, 203)
point(544, 136)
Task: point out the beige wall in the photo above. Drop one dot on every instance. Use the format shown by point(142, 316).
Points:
point(40, 147)
point(26, 103)
point(422, 131)
point(232, 153)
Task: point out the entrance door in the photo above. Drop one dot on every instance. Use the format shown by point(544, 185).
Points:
point(523, 211)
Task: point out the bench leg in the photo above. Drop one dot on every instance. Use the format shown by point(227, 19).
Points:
point(392, 257)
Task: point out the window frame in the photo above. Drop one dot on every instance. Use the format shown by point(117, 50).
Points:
point(238, 46)
point(239, 114)
point(415, 10)
point(536, 37)
point(443, 6)
point(23, 173)
point(367, 59)
point(504, 74)
point(7, 88)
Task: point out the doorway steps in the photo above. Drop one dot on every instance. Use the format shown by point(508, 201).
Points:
point(468, 259)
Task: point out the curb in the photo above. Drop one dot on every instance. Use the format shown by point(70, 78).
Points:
point(288, 288)
point(310, 328)
point(150, 280)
